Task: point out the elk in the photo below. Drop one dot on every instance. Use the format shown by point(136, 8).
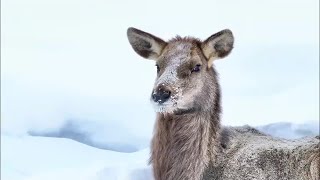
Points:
point(189, 143)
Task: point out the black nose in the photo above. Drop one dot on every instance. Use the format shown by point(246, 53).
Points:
point(161, 96)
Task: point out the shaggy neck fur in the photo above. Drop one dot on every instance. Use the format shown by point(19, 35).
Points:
point(183, 145)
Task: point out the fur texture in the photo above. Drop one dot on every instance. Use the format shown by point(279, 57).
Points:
point(188, 142)
point(246, 153)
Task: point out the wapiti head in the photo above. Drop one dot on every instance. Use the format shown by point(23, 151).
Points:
point(186, 80)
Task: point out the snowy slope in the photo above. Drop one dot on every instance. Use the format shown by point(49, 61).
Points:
point(102, 135)
point(33, 158)
point(37, 158)
point(290, 130)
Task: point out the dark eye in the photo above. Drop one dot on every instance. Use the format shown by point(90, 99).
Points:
point(196, 68)
point(158, 68)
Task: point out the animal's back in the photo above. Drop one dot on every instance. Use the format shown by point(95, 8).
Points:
point(247, 154)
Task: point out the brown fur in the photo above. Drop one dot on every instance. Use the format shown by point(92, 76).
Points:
point(183, 145)
point(188, 142)
point(248, 154)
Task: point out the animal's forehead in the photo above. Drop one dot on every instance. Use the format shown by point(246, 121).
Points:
point(177, 52)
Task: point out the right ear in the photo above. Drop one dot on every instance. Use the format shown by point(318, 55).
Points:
point(218, 45)
point(145, 44)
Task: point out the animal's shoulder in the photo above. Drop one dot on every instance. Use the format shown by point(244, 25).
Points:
point(261, 156)
point(230, 135)
point(251, 138)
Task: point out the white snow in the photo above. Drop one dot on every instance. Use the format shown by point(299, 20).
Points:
point(25, 157)
point(38, 158)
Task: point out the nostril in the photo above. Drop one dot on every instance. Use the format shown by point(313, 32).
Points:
point(161, 96)
point(166, 95)
point(155, 97)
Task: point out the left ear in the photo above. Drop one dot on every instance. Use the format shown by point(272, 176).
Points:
point(218, 46)
point(145, 44)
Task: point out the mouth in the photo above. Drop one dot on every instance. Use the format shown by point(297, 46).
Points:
point(171, 108)
point(164, 107)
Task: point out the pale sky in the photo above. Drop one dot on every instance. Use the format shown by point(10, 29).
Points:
point(71, 59)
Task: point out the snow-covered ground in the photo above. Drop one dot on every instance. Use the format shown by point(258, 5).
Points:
point(39, 158)
point(29, 157)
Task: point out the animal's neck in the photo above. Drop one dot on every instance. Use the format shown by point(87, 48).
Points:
point(183, 145)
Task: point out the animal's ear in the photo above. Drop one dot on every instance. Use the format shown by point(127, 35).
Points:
point(218, 45)
point(145, 44)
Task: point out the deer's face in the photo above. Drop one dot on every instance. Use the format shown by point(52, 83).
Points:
point(185, 78)
point(181, 73)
